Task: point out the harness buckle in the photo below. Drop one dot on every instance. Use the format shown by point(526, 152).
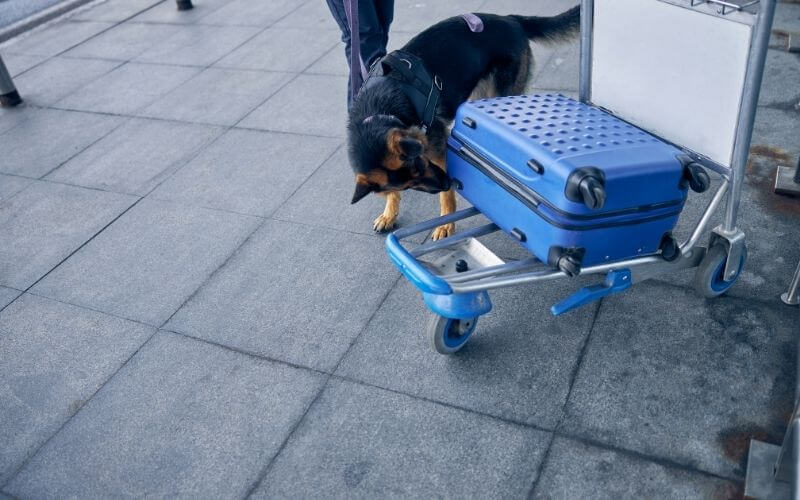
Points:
point(437, 82)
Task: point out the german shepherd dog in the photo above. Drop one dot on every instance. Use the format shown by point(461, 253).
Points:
point(389, 152)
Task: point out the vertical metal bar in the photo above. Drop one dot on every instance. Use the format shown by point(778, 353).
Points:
point(747, 113)
point(795, 430)
point(792, 297)
point(796, 177)
point(8, 92)
point(587, 26)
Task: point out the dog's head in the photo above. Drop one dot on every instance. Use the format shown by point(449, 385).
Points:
point(388, 156)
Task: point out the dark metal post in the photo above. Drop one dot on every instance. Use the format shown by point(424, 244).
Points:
point(184, 4)
point(8, 93)
point(792, 297)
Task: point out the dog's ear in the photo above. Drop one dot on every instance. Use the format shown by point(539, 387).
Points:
point(402, 144)
point(362, 189)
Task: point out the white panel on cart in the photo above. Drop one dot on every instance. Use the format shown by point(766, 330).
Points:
point(673, 71)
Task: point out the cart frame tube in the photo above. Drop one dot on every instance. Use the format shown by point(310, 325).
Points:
point(747, 111)
point(587, 23)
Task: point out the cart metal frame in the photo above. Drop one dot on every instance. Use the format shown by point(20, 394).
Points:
point(464, 295)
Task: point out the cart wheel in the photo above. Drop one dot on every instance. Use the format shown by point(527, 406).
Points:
point(709, 278)
point(449, 335)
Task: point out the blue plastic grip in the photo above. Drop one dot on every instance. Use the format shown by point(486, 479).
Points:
point(413, 270)
point(616, 282)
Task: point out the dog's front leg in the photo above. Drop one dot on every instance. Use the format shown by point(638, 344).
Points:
point(386, 220)
point(447, 201)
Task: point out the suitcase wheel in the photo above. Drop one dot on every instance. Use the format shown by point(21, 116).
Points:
point(709, 279)
point(670, 250)
point(696, 176)
point(448, 335)
point(570, 265)
point(587, 185)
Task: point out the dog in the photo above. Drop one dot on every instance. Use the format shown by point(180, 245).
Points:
point(389, 151)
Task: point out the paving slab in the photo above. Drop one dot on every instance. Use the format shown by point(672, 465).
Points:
point(167, 12)
point(7, 296)
point(219, 97)
point(518, 365)
point(136, 157)
point(114, 10)
point(11, 117)
point(55, 38)
point(295, 293)
point(53, 358)
point(311, 15)
point(364, 442)
point(577, 470)
point(19, 63)
point(45, 139)
point(249, 13)
point(58, 77)
point(43, 224)
point(415, 16)
point(561, 71)
point(124, 42)
point(11, 185)
point(128, 88)
point(248, 171)
point(281, 49)
point(197, 45)
point(311, 104)
point(146, 264)
point(781, 67)
point(777, 128)
point(669, 375)
point(324, 200)
point(181, 419)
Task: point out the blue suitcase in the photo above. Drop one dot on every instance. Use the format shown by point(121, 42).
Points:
point(572, 183)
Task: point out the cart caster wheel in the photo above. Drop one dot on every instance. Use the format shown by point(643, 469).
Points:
point(670, 250)
point(449, 335)
point(708, 279)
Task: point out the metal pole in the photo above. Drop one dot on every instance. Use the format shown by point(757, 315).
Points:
point(796, 177)
point(587, 23)
point(747, 113)
point(185, 4)
point(8, 92)
point(792, 297)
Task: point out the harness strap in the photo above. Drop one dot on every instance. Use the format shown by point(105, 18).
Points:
point(423, 90)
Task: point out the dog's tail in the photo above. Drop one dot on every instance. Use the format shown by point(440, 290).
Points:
point(553, 29)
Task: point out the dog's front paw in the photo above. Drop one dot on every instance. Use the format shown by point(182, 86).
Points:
point(383, 223)
point(443, 231)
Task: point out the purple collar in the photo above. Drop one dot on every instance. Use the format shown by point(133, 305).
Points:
point(474, 22)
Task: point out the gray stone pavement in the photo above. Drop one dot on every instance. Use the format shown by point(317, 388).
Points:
point(190, 307)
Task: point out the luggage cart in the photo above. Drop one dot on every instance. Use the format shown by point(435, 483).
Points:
point(686, 71)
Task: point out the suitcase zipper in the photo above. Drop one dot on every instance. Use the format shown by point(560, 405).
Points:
point(532, 199)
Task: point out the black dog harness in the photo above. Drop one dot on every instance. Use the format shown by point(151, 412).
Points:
point(422, 89)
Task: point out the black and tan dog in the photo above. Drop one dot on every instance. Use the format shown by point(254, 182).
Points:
point(390, 153)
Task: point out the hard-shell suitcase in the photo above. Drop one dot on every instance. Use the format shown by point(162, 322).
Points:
point(572, 183)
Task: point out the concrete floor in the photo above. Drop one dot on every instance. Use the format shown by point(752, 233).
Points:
point(190, 307)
